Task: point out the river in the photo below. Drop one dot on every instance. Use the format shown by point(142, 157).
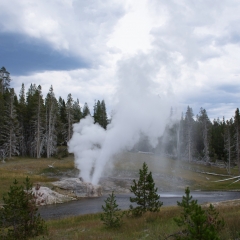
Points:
point(94, 205)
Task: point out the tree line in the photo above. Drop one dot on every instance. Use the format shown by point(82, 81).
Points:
point(31, 125)
point(200, 139)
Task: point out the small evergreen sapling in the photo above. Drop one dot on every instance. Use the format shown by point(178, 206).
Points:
point(195, 222)
point(111, 216)
point(146, 196)
point(19, 218)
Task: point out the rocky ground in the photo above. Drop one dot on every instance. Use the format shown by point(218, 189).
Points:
point(118, 181)
point(64, 190)
point(70, 186)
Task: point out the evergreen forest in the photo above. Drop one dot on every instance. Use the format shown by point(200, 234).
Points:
point(31, 125)
point(34, 126)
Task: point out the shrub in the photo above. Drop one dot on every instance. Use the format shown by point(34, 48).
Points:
point(18, 217)
point(197, 223)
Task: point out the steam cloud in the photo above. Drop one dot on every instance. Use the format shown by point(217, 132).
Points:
point(140, 110)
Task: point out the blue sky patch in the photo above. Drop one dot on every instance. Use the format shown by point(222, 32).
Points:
point(230, 88)
point(22, 55)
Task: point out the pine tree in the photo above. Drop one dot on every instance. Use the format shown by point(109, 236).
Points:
point(99, 114)
point(10, 130)
point(195, 222)
point(51, 106)
point(228, 144)
point(104, 119)
point(146, 196)
point(30, 112)
point(96, 112)
point(189, 121)
point(204, 132)
point(180, 140)
point(2, 110)
point(19, 218)
point(4, 80)
point(36, 121)
point(217, 139)
point(85, 110)
point(69, 111)
point(77, 113)
point(111, 216)
point(62, 123)
point(38, 124)
point(237, 137)
point(22, 119)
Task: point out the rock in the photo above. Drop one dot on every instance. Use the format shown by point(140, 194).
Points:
point(79, 188)
point(45, 196)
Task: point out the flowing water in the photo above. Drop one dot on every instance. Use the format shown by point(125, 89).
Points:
point(94, 205)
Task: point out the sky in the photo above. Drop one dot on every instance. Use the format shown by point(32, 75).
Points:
point(189, 49)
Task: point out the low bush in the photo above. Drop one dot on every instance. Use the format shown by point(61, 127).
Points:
point(197, 223)
point(18, 217)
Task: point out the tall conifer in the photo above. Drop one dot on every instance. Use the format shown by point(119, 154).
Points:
point(86, 110)
point(22, 118)
point(51, 107)
point(36, 116)
point(4, 80)
point(189, 121)
point(237, 137)
point(11, 125)
point(69, 111)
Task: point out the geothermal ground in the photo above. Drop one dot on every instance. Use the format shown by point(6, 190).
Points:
point(121, 181)
point(168, 174)
point(119, 174)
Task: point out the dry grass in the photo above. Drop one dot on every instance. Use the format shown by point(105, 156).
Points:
point(20, 168)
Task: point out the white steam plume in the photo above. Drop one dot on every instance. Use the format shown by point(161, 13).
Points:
point(139, 111)
point(85, 144)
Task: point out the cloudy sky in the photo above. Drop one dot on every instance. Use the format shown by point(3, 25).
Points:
point(191, 49)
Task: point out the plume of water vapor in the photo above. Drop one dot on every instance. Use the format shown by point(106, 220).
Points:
point(86, 145)
point(139, 111)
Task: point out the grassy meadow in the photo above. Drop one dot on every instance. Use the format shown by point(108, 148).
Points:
point(36, 169)
point(168, 173)
point(150, 226)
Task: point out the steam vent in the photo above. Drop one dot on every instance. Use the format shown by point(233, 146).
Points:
point(77, 187)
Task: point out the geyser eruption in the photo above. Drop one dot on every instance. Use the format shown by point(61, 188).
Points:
point(86, 144)
point(140, 111)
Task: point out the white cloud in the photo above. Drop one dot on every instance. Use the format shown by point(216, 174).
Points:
point(82, 84)
point(80, 27)
point(192, 47)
